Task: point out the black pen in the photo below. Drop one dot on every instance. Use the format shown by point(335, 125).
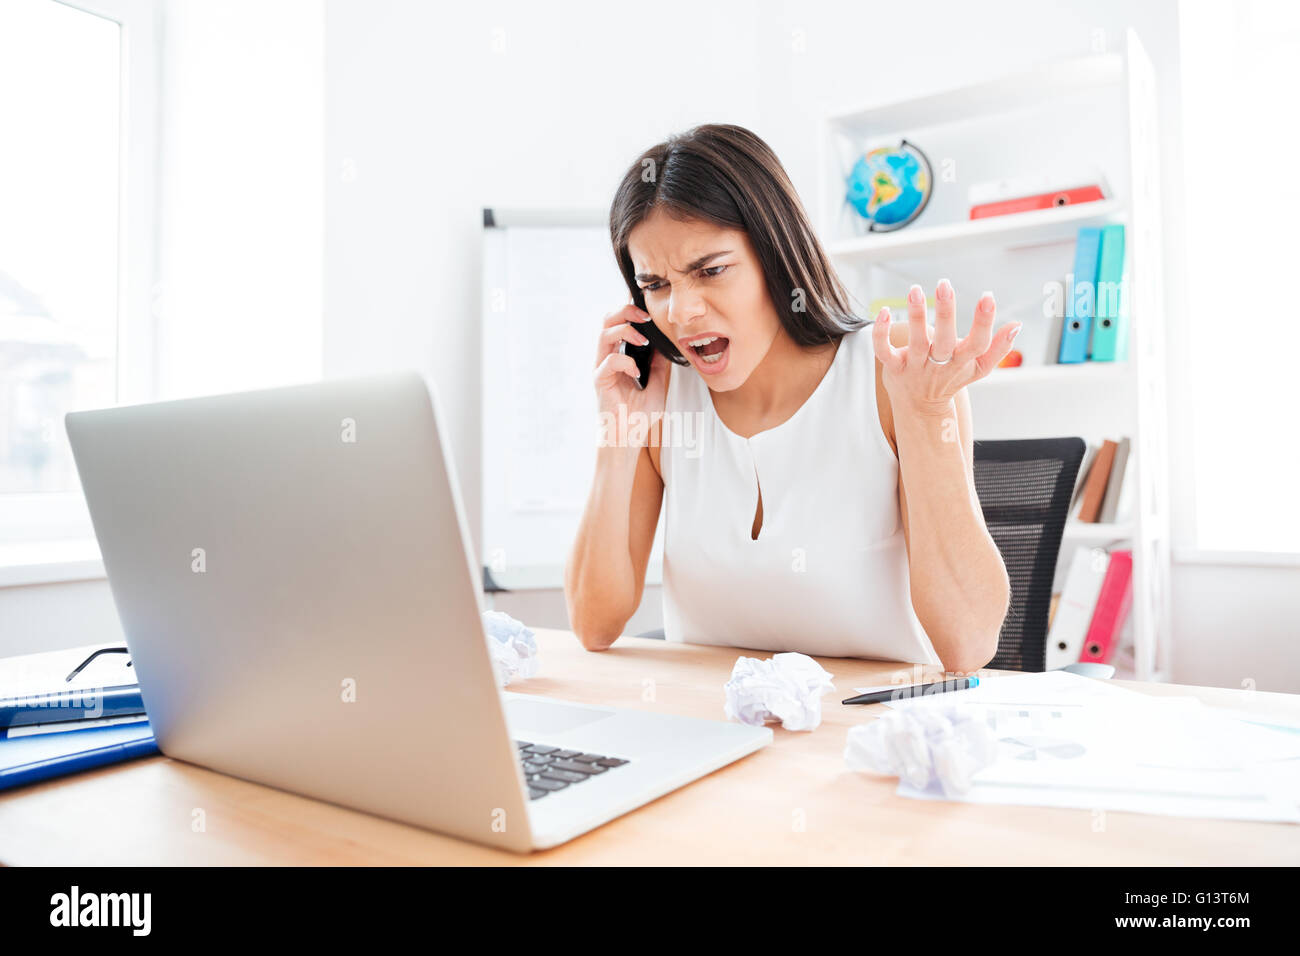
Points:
point(913, 690)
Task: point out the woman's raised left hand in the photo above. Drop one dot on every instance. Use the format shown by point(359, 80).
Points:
point(917, 375)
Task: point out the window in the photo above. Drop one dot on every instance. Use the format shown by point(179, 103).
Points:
point(75, 201)
point(161, 227)
point(1240, 69)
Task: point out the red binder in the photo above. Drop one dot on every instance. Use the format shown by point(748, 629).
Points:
point(1062, 197)
point(1113, 603)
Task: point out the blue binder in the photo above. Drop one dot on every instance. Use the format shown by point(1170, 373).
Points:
point(1081, 304)
point(79, 703)
point(1110, 324)
point(25, 760)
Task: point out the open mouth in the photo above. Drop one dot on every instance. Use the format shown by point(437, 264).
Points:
point(712, 350)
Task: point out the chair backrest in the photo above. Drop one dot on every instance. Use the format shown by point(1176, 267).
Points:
point(1024, 487)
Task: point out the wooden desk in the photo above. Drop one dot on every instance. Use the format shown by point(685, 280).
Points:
point(791, 803)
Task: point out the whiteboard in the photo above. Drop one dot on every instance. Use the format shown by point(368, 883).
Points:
point(548, 281)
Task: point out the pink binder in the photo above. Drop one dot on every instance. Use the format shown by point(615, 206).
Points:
point(1113, 605)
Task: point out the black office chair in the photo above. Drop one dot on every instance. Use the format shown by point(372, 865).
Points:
point(1024, 487)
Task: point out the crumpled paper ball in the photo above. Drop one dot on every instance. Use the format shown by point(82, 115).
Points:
point(924, 744)
point(512, 645)
point(787, 688)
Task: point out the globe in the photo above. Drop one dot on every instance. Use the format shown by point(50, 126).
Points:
point(889, 186)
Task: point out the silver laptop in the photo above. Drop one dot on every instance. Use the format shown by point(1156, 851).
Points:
point(294, 579)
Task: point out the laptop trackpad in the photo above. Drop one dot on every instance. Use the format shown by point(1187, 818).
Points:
point(548, 717)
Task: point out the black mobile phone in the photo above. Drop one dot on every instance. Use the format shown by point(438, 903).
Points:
point(641, 354)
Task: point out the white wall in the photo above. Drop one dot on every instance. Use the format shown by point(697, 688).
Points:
point(241, 225)
point(47, 617)
point(435, 111)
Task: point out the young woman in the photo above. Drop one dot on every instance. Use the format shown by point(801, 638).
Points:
point(817, 473)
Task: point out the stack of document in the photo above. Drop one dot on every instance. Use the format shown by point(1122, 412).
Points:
point(1070, 741)
point(54, 721)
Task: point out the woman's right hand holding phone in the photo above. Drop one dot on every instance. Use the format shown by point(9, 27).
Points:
point(605, 572)
point(616, 377)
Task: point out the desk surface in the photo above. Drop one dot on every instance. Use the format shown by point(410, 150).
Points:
point(792, 802)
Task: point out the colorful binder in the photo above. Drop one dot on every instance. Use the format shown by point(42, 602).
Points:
point(1075, 608)
point(1085, 469)
point(1109, 327)
point(79, 703)
point(1113, 605)
point(1080, 304)
point(25, 760)
point(1115, 484)
point(1094, 491)
point(1046, 200)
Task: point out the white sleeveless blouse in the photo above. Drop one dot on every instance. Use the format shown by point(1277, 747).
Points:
point(828, 573)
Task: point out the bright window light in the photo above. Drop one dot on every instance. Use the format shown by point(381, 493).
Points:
point(59, 193)
point(1240, 71)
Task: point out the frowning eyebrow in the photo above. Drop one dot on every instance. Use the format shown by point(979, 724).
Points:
point(698, 263)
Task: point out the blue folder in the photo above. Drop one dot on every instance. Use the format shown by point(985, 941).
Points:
point(1081, 305)
point(1110, 319)
point(78, 703)
point(25, 760)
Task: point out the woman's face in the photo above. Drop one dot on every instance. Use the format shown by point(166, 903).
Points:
point(699, 281)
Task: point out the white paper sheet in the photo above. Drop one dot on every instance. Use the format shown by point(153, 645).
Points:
point(1068, 741)
point(46, 672)
point(787, 687)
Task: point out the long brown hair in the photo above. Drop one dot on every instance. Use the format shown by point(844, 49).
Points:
point(728, 176)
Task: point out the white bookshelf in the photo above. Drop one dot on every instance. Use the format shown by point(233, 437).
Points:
point(1100, 111)
point(1084, 374)
point(1097, 533)
point(1022, 229)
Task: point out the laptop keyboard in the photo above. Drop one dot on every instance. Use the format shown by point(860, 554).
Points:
point(548, 769)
